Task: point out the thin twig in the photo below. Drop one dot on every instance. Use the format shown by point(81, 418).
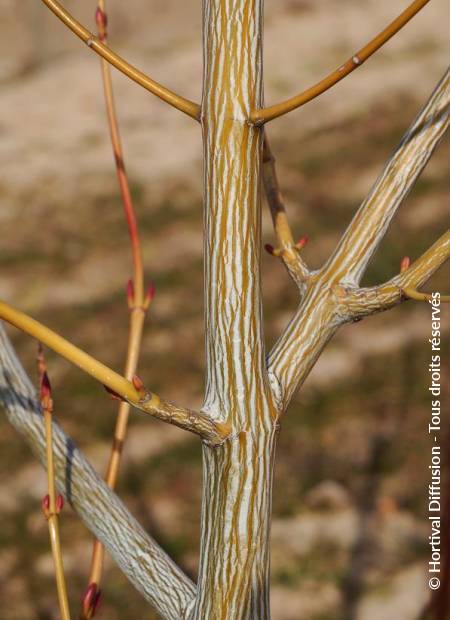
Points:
point(52, 504)
point(264, 115)
point(356, 303)
point(211, 431)
point(412, 293)
point(287, 249)
point(138, 304)
point(184, 105)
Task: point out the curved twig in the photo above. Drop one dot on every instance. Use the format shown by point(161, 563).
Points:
point(180, 103)
point(258, 117)
point(212, 431)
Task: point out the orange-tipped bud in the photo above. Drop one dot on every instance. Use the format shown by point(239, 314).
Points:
point(269, 248)
point(405, 263)
point(59, 503)
point(113, 394)
point(130, 293)
point(302, 242)
point(139, 385)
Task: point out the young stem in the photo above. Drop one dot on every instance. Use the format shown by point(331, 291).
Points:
point(268, 114)
point(138, 305)
point(51, 509)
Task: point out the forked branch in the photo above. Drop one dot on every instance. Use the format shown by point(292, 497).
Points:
point(209, 430)
point(323, 309)
point(264, 115)
point(368, 227)
point(184, 105)
point(360, 302)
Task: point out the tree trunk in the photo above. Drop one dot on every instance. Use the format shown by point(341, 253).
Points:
point(234, 566)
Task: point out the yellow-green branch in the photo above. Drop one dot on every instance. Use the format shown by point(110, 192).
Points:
point(211, 431)
point(264, 115)
point(52, 504)
point(184, 105)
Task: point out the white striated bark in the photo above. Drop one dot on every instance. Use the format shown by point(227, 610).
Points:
point(141, 559)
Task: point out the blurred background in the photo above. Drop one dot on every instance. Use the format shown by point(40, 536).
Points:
point(350, 530)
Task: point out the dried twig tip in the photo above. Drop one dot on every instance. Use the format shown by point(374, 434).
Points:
point(405, 263)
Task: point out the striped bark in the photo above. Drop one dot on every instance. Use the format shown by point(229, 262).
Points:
point(234, 567)
point(245, 393)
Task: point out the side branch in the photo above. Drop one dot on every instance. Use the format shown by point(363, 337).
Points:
point(287, 249)
point(184, 105)
point(141, 559)
point(264, 115)
point(361, 302)
point(367, 229)
point(133, 392)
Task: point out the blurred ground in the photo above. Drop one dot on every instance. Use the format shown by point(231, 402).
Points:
point(350, 532)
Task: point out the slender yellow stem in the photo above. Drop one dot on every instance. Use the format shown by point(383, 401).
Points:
point(200, 423)
point(412, 293)
point(86, 362)
point(267, 114)
point(184, 105)
point(51, 505)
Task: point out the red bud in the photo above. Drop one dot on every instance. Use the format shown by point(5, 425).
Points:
point(150, 292)
point(269, 248)
point(404, 263)
point(130, 293)
point(96, 602)
point(302, 242)
point(138, 384)
point(89, 598)
point(113, 394)
point(59, 503)
point(45, 504)
point(46, 388)
point(101, 18)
